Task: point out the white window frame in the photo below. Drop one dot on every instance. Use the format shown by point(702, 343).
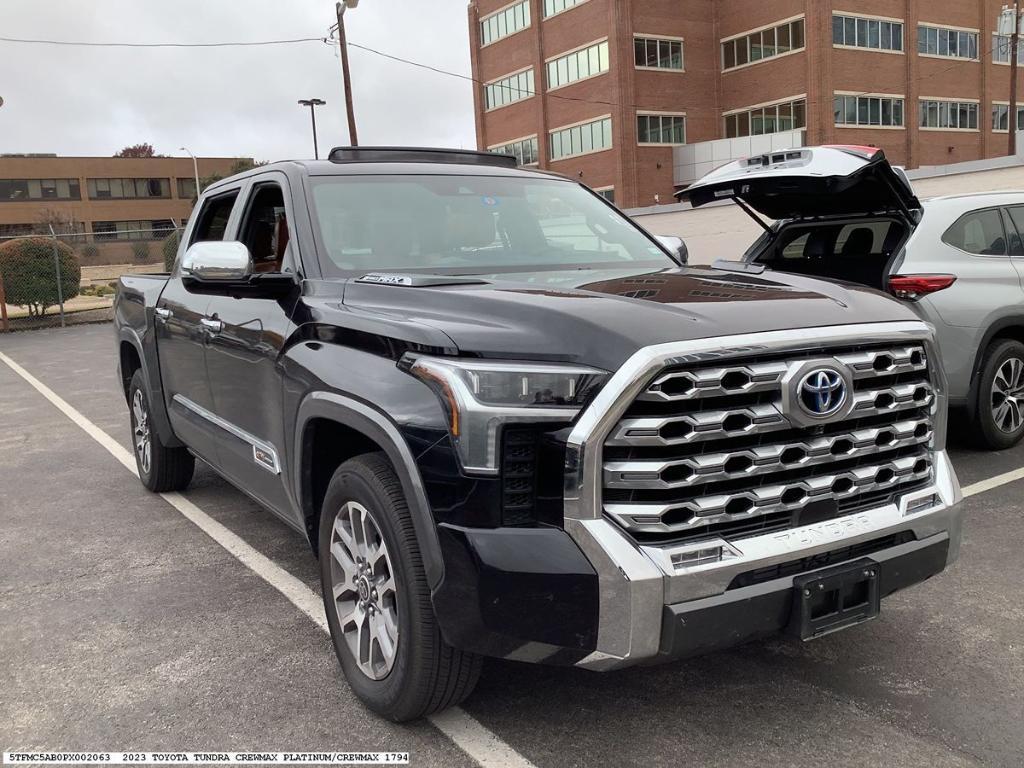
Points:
point(872, 17)
point(497, 80)
point(947, 100)
point(655, 113)
point(545, 17)
point(567, 54)
point(588, 121)
point(764, 105)
point(660, 38)
point(862, 126)
point(773, 25)
point(1009, 53)
point(997, 103)
point(949, 28)
point(520, 140)
point(507, 35)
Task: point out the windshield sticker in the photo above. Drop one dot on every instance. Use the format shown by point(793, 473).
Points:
point(490, 202)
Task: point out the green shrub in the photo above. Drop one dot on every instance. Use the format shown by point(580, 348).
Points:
point(89, 252)
point(87, 290)
point(30, 278)
point(141, 252)
point(170, 250)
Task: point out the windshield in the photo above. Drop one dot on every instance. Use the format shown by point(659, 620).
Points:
point(472, 224)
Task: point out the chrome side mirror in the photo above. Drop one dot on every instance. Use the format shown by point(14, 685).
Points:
point(676, 246)
point(217, 261)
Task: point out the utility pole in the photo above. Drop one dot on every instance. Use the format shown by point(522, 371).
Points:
point(313, 104)
point(1014, 41)
point(346, 77)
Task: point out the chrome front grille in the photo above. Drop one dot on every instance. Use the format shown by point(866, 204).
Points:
point(712, 448)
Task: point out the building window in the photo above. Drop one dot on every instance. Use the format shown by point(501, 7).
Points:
point(132, 230)
point(764, 44)
point(950, 43)
point(658, 53)
point(878, 111)
point(14, 190)
point(578, 65)
point(551, 7)
point(123, 189)
point(608, 193)
point(1001, 117)
point(187, 189)
point(660, 129)
point(958, 115)
point(17, 230)
point(1001, 50)
point(787, 116)
point(594, 136)
point(524, 151)
point(509, 90)
point(858, 32)
point(505, 22)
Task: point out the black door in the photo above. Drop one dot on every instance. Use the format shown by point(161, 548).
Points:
point(243, 351)
point(181, 342)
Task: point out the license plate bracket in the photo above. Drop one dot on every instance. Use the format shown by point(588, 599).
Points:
point(834, 599)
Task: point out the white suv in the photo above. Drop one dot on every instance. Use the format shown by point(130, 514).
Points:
point(844, 213)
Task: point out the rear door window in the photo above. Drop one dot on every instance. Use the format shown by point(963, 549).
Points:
point(978, 232)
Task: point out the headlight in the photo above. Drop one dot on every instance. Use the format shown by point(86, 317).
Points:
point(479, 397)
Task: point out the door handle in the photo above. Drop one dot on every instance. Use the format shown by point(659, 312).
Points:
point(212, 324)
point(163, 314)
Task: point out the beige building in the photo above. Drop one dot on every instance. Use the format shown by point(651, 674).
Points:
point(108, 198)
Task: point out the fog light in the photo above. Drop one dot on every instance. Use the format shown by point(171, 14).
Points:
point(921, 504)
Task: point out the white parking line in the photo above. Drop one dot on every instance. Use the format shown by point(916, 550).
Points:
point(993, 482)
point(481, 744)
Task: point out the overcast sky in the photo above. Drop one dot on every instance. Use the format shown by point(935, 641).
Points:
point(229, 101)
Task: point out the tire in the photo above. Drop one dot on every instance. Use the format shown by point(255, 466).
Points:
point(998, 417)
point(423, 673)
point(161, 468)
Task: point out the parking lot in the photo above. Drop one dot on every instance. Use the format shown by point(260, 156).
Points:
point(126, 626)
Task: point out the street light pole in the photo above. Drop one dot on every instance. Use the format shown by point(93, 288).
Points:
point(195, 169)
point(1014, 41)
point(345, 75)
point(313, 104)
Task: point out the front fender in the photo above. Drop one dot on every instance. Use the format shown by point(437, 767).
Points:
point(382, 430)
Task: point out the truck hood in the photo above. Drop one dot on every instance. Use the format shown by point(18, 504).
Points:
point(601, 317)
point(811, 182)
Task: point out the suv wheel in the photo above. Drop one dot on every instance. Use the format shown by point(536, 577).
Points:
point(1000, 406)
point(161, 468)
point(377, 599)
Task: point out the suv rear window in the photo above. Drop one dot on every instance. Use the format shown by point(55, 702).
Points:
point(979, 232)
point(472, 224)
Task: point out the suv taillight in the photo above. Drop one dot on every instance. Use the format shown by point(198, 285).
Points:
point(913, 287)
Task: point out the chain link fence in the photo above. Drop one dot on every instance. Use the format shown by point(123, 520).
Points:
point(52, 279)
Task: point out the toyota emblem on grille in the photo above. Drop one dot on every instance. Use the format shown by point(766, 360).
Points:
point(822, 392)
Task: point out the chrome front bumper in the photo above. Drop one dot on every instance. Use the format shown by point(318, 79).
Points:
point(637, 582)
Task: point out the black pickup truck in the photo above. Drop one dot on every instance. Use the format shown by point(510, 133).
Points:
point(512, 423)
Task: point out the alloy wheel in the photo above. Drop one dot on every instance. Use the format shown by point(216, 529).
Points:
point(364, 590)
point(143, 441)
point(1008, 396)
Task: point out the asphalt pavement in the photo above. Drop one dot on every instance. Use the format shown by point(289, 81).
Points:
point(125, 627)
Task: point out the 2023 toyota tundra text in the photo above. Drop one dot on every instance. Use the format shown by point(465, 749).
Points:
point(511, 423)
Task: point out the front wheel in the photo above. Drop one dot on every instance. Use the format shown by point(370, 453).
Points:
point(999, 410)
point(161, 468)
point(377, 599)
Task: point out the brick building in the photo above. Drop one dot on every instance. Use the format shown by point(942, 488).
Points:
point(112, 198)
point(603, 89)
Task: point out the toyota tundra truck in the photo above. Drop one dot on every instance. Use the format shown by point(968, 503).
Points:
point(512, 423)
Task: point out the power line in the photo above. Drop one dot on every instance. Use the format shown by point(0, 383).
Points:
point(236, 44)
